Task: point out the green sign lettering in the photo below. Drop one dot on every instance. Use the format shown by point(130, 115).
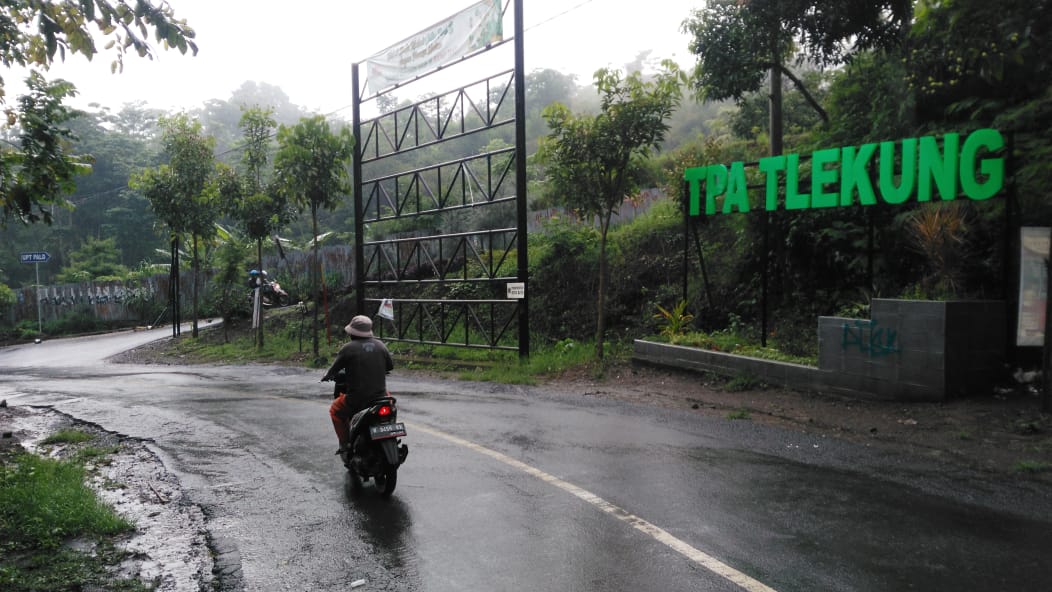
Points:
point(919, 169)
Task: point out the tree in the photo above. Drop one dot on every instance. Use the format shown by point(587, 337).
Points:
point(35, 177)
point(261, 209)
point(740, 44)
point(8, 298)
point(594, 162)
point(94, 259)
point(38, 173)
point(119, 143)
point(310, 169)
point(181, 192)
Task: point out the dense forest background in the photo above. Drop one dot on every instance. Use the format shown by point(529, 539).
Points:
point(941, 66)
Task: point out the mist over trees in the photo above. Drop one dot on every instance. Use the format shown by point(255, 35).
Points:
point(849, 73)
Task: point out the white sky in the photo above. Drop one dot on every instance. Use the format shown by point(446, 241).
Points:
point(306, 47)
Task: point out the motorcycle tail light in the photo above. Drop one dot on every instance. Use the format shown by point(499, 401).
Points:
point(384, 410)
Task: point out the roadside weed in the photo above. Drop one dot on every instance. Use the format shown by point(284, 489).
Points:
point(67, 437)
point(738, 414)
point(744, 382)
point(1031, 466)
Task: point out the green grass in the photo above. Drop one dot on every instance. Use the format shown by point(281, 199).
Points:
point(739, 414)
point(506, 367)
point(96, 454)
point(66, 570)
point(67, 437)
point(44, 504)
point(744, 382)
point(733, 343)
point(282, 344)
point(1031, 466)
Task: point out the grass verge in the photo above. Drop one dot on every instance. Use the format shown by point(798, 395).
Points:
point(286, 342)
point(45, 506)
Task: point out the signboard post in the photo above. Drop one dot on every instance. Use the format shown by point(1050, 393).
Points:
point(36, 258)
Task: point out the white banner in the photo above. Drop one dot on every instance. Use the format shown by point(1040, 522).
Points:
point(1033, 282)
point(471, 29)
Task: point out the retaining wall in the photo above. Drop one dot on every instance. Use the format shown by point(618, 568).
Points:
point(910, 350)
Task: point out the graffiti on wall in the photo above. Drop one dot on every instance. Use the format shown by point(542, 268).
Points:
point(74, 295)
point(111, 301)
point(870, 338)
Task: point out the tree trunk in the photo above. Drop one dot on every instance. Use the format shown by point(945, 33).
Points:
point(259, 278)
point(314, 275)
point(197, 267)
point(775, 113)
point(600, 320)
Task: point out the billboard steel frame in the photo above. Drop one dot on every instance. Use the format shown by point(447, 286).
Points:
point(406, 266)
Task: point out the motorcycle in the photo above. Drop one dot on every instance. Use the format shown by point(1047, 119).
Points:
point(376, 451)
point(274, 295)
point(271, 293)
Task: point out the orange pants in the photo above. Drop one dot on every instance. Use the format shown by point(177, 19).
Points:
point(341, 411)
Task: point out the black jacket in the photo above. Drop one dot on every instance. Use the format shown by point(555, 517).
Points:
point(366, 362)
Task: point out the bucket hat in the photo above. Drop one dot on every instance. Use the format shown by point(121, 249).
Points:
point(360, 326)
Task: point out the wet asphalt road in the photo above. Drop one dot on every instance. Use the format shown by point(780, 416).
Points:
point(512, 488)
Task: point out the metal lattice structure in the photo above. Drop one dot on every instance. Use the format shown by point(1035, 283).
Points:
point(445, 242)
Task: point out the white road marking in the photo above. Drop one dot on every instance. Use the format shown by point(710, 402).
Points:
point(699, 557)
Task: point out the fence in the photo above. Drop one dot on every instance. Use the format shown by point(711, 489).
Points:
point(129, 301)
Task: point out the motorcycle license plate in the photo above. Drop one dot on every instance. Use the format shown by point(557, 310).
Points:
point(387, 430)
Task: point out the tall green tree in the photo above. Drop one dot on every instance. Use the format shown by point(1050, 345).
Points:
point(94, 259)
point(251, 200)
point(741, 44)
point(595, 161)
point(119, 143)
point(310, 169)
point(181, 192)
point(37, 175)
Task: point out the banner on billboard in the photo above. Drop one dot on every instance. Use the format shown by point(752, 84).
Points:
point(469, 30)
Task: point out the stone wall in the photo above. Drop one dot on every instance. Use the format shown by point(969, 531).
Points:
point(909, 350)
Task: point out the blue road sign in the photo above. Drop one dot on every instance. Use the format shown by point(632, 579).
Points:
point(38, 257)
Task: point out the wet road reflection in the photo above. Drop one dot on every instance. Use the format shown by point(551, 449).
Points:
point(386, 524)
point(253, 447)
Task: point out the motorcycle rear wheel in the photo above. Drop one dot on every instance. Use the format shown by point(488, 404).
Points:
point(385, 482)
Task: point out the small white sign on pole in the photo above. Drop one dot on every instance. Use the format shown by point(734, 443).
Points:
point(516, 290)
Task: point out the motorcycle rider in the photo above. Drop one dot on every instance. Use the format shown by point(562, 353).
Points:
point(366, 361)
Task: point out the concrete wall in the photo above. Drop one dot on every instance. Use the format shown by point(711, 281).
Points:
point(107, 300)
point(909, 350)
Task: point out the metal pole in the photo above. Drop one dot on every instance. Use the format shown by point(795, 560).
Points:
point(359, 209)
point(686, 236)
point(520, 182)
point(40, 322)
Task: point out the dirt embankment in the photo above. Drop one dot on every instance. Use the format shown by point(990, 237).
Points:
point(1004, 432)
